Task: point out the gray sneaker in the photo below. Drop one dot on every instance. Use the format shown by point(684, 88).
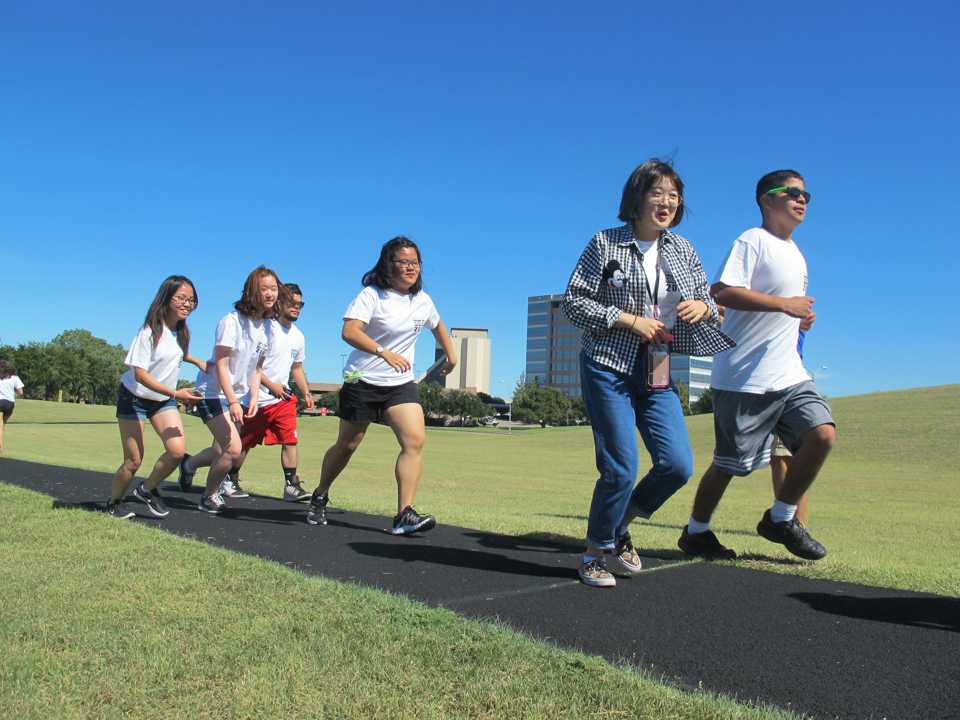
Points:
point(595, 574)
point(231, 488)
point(212, 504)
point(294, 492)
point(118, 509)
point(152, 499)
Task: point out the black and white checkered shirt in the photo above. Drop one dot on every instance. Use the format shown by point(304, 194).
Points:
point(594, 305)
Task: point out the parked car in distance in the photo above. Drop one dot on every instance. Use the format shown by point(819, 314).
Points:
point(488, 420)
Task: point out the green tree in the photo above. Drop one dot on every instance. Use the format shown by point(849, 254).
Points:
point(88, 367)
point(546, 405)
point(460, 403)
point(683, 390)
point(431, 398)
point(704, 404)
point(331, 401)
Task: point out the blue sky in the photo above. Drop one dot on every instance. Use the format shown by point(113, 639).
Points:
point(139, 140)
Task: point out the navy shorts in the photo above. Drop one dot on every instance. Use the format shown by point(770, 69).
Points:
point(132, 407)
point(6, 409)
point(209, 408)
point(362, 402)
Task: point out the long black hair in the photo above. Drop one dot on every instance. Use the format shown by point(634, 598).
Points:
point(160, 306)
point(382, 273)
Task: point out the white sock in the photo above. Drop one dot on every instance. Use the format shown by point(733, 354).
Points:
point(782, 512)
point(695, 526)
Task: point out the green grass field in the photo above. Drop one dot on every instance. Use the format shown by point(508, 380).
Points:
point(883, 506)
point(110, 619)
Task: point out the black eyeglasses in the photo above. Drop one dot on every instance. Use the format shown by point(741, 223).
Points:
point(794, 192)
point(298, 305)
point(407, 263)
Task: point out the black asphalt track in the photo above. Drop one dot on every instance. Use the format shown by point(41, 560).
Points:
point(821, 648)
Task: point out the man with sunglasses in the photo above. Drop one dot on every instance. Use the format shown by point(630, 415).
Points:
point(760, 387)
point(276, 420)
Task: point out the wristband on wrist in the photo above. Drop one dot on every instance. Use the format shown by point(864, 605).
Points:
point(634, 323)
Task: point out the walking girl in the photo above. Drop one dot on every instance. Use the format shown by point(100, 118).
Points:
point(148, 391)
point(638, 292)
point(242, 340)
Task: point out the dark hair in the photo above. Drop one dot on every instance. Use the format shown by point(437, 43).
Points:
point(247, 304)
point(775, 179)
point(641, 180)
point(381, 274)
point(161, 305)
point(294, 289)
point(6, 369)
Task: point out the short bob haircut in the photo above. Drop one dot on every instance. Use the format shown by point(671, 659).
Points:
point(382, 273)
point(156, 313)
point(775, 179)
point(640, 181)
point(248, 302)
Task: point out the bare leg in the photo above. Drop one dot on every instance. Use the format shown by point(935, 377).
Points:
point(241, 459)
point(289, 457)
point(226, 450)
point(336, 458)
point(778, 473)
point(204, 458)
point(407, 423)
point(169, 427)
point(3, 424)
point(806, 463)
point(712, 486)
point(131, 439)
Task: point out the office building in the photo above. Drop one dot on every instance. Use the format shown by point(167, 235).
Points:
point(473, 368)
point(553, 350)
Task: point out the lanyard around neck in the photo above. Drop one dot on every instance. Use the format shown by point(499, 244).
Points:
point(654, 296)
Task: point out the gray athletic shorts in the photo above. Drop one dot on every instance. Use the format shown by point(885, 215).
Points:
point(745, 424)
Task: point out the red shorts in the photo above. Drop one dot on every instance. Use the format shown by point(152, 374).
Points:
point(272, 425)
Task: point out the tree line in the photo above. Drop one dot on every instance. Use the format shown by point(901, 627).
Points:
point(75, 366)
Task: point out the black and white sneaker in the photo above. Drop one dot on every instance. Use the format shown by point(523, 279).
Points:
point(212, 504)
point(118, 509)
point(294, 492)
point(792, 535)
point(231, 488)
point(186, 476)
point(152, 500)
point(317, 514)
point(410, 521)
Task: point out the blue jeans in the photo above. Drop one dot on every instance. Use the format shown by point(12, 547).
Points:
point(616, 403)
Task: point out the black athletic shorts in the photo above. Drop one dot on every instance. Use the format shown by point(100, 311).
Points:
point(6, 409)
point(362, 402)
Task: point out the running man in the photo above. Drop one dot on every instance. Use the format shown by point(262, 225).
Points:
point(760, 387)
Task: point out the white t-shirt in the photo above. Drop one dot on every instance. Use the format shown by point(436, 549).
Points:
point(288, 346)
point(393, 320)
point(667, 298)
point(9, 387)
point(161, 362)
point(765, 358)
point(248, 340)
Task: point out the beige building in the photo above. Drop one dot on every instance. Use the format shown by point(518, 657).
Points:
point(473, 369)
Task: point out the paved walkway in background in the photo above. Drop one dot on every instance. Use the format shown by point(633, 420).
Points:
point(822, 648)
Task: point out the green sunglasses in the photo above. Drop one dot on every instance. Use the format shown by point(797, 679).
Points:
point(794, 192)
